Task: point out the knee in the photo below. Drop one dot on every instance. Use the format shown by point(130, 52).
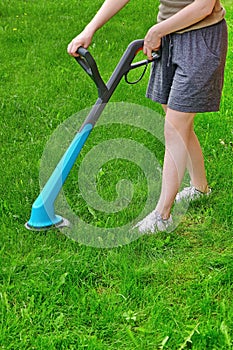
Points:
point(178, 125)
point(174, 130)
point(176, 135)
point(169, 131)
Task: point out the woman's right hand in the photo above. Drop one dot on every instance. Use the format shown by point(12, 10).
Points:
point(108, 9)
point(84, 39)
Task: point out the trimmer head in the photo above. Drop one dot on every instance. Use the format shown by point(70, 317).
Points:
point(59, 225)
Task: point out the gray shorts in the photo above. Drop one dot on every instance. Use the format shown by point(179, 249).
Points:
point(189, 75)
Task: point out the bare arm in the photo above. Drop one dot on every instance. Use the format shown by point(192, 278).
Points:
point(189, 15)
point(105, 13)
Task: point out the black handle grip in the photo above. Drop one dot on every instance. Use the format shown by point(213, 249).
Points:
point(125, 64)
point(89, 65)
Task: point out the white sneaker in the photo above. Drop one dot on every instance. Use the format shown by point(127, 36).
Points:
point(153, 223)
point(190, 193)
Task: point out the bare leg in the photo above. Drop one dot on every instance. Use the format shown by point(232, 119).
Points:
point(195, 161)
point(195, 164)
point(178, 127)
point(182, 150)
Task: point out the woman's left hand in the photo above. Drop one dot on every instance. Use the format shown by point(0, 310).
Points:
point(152, 41)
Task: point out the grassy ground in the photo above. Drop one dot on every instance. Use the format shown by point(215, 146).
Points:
point(163, 292)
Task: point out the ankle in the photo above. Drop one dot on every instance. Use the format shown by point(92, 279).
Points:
point(201, 188)
point(165, 214)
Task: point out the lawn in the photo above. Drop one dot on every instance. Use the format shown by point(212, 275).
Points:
point(169, 291)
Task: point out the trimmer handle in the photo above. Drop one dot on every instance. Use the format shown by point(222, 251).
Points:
point(88, 63)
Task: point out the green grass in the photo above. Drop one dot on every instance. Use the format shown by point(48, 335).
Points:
point(160, 292)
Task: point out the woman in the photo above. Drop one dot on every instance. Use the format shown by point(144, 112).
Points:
point(188, 79)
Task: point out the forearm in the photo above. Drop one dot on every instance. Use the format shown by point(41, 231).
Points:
point(105, 13)
point(189, 15)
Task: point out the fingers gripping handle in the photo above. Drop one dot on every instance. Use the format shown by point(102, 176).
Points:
point(89, 65)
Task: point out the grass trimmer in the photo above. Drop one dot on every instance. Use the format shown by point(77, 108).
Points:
point(43, 214)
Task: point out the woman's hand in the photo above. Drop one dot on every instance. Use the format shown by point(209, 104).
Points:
point(189, 15)
point(84, 39)
point(152, 41)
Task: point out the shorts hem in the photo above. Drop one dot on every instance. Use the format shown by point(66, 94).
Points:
point(156, 99)
point(191, 109)
point(184, 109)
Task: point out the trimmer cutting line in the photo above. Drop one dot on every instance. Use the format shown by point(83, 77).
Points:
point(42, 214)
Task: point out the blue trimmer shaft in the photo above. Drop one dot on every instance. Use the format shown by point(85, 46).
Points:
point(42, 214)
